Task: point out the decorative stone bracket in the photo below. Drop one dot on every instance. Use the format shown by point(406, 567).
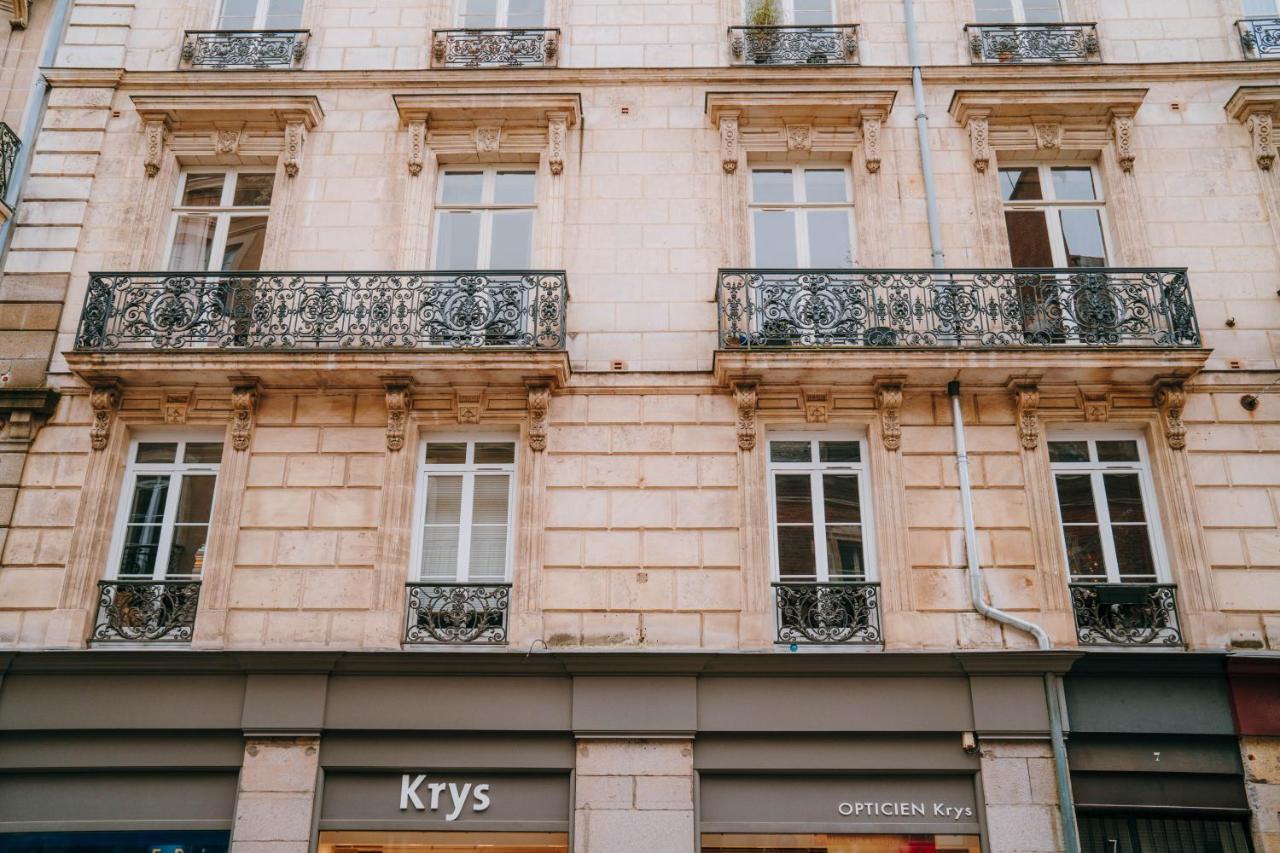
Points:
point(539, 404)
point(888, 398)
point(1170, 398)
point(399, 390)
point(104, 400)
point(817, 405)
point(1026, 398)
point(244, 405)
point(23, 411)
point(469, 403)
point(1257, 107)
point(175, 407)
point(20, 14)
point(745, 397)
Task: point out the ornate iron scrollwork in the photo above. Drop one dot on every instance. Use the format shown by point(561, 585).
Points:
point(244, 48)
point(457, 613)
point(1011, 43)
point(1260, 37)
point(832, 44)
point(983, 309)
point(9, 146)
point(146, 611)
point(325, 311)
point(1126, 614)
point(828, 613)
point(496, 48)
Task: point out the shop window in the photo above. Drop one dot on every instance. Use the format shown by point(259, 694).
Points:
point(1119, 833)
point(1106, 509)
point(1055, 216)
point(789, 12)
point(260, 15)
point(163, 841)
point(484, 219)
point(823, 843)
point(802, 217)
point(220, 220)
point(503, 14)
point(1018, 11)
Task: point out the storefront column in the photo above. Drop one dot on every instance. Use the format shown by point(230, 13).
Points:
point(634, 796)
point(1021, 796)
point(275, 800)
point(1262, 787)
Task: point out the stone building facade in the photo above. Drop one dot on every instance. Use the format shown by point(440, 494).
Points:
point(374, 371)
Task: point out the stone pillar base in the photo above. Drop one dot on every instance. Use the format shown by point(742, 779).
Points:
point(275, 800)
point(1262, 786)
point(1022, 796)
point(68, 629)
point(634, 796)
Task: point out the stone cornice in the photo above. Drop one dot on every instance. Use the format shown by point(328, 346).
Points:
point(1248, 100)
point(478, 106)
point(755, 104)
point(198, 111)
point(84, 78)
point(1022, 104)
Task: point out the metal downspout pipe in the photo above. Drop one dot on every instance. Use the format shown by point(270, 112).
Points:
point(1066, 809)
point(922, 130)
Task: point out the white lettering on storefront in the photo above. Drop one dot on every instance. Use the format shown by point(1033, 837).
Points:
point(458, 795)
point(868, 809)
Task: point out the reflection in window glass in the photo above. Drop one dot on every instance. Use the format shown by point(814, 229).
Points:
point(1082, 234)
point(825, 185)
point(775, 238)
point(485, 219)
point(770, 185)
point(801, 218)
point(466, 521)
point(817, 510)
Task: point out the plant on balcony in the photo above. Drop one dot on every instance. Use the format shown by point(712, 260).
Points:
point(763, 42)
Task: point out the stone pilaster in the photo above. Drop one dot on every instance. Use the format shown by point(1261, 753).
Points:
point(634, 796)
point(1021, 795)
point(1262, 786)
point(275, 800)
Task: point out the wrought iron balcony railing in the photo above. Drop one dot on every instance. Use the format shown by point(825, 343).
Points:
point(216, 49)
point(1126, 614)
point(974, 308)
point(496, 48)
point(457, 613)
point(323, 311)
point(1012, 43)
point(145, 611)
point(827, 44)
point(1260, 37)
point(828, 613)
point(9, 147)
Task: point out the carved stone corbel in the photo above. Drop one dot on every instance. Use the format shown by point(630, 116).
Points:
point(244, 403)
point(155, 132)
point(1048, 135)
point(817, 404)
point(1096, 404)
point(417, 146)
point(872, 122)
point(20, 15)
point(799, 137)
point(980, 142)
point(294, 136)
point(104, 400)
point(557, 140)
point(745, 395)
point(488, 139)
point(1026, 398)
point(1261, 127)
point(539, 404)
point(1170, 398)
point(399, 401)
point(1122, 132)
point(470, 403)
point(175, 407)
point(729, 141)
point(889, 404)
point(226, 140)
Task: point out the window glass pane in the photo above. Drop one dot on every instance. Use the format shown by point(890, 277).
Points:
point(1042, 11)
point(1082, 233)
point(794, 500)
point(844, 552)
point(825, 185)
point(1133, 552)
point(1117, 451)
point(770, 186)
point(192, 242)
point(141, 544)
point(495, 453)
point(1020, 184)
point(830, 239)
point(203, 190)
point(444, 499)
point(1075, 498)
point(253, 190)
point(810, 12)
point(284, 14)
point(775, 238)
point(203, 451)
point(195, 501)
point(156, 452)
point(1259, 7)
point(446, 453)
point(489, 504)
point(524, 13)
point(513, 188)
point(246, 237)
point(1068, 451)
point(1084, 552)
point(790, 451)
point(839, 451)
point(1124, 497)
point(461, 187)
point(457, 240)
point(237, 14)
point(149, 495)
point(512, 246)
point(796, 557)
point(479, 13)
point(1029, 244)
point(1073, 184)
point(186, 556)
point(840, 500)
point(994, 11)
point(488, 552)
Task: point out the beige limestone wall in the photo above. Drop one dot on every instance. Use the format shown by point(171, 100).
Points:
point(1021, 796)
point(1262, 785)
point(634, 796)
point(277, 795)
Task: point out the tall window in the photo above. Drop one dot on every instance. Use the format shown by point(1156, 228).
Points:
point(802, 216)
point(506, 14)
point(1018, 11)
point(1055, 216)
point(798, 12)
point(484, 219)
point(1105, 505)
point(1261, 8)
point(465, 488)
point(220, 220)
point(163, 525)
point(818, 485)
point(260, 15)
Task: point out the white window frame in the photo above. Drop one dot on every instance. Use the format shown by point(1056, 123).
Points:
point(500, 15)
point(789, 13)
point(468, 471)
point(1051, 205)
point(259, 16)
point(485, 209)
point(1020, 14)
point(801, 208)
point(816, 469)
point(222, 214)
point(1096, 470)
point(177, 471)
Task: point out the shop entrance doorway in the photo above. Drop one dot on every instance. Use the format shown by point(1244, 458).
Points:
point(444, 842)
point(822, 843)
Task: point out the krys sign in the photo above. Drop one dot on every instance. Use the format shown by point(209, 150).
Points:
point(907, 809)
point(452, 799)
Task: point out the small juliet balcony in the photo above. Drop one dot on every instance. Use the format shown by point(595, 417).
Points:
point(496, 48)
point(1007, 44)
point(832, 613)
point(985, 325)
point(216, 50)
point(10, 145)
point(1126, 614)
point(1260, 37)
point(795, 44)
point(446, 613)
point(145, 610)
point(434, 327)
